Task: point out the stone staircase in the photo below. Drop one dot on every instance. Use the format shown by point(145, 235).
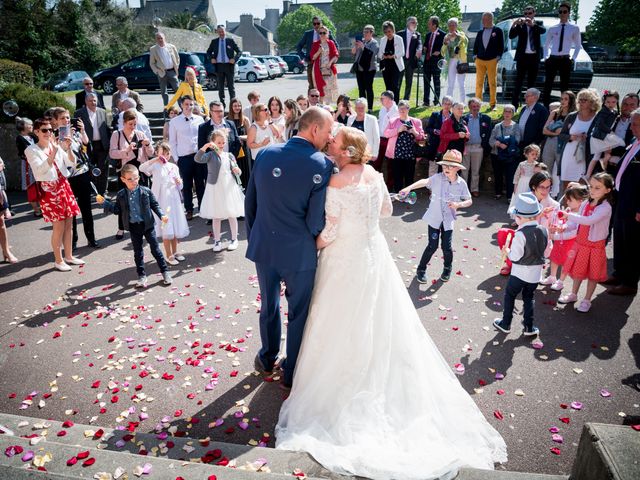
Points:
point(156, 122)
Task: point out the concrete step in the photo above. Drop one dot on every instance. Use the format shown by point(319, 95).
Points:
point(475, 474)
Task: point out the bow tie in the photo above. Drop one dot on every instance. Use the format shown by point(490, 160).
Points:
point(187, 119)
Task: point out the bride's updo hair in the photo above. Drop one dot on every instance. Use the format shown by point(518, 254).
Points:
point(354, 141)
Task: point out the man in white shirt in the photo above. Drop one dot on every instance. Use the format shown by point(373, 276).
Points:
point(183, 138)
point(412, 52)
point(557, 51)
point(122, 84)
point(388, 112)
point(314, 97)
point(164, 62)
point(143, 123)
point(253, 97)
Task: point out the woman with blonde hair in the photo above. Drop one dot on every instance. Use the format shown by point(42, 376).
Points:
point(261, 133)
point(191, 87)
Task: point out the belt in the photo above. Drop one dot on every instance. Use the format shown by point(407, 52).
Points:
point(558, 56)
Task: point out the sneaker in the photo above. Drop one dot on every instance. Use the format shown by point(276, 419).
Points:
point(179, 257)
point(496, 323)
point(568, 298)
point(550, 280)
point(421, 277)
point(557, 285)
point(142, 282)
point(532, 332)
point(446, 275)
point(172, 260)
point(166, 278)
point(217, 247)
point(584, 306)
point(233, 245)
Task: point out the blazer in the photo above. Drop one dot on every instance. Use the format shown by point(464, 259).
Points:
point(303, 48)
point(83, 114)
point(81, 95)
point(532, 132)
point(148, 204)
point(398, 47)
point(204, 132)
point(485, 129)
point(285, 214)
point(155, 60)
point(437, 43)
point(392, 134)
point(115, 99)
point(628, 197)
point(371, 130)
point(415, 45)
point(521, 32)
point(448, 135)
point(494, 49)
point(213, 162)
point(435, 123)
point(628, 140)
point(39, 164)
point(186, 89)
point(231, 47)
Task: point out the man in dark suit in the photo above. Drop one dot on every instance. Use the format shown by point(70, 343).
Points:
point(284, 215)
point(224, 52)
point(432, 55)
point(532, 119)
point(412, 51)
point(479, 125)
point(88, 88)
point(217, 122)
point(487, 50)
point(626, 222)
point(528, 51)
point(304, 47)
point(94, 119)
point(622, 126)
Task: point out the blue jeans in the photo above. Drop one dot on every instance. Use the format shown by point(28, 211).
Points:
point(432, 246)
point(138, 234)
point(514, 287)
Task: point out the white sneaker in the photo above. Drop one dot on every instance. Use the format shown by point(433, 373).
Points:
point(217, 247)
point(557, 285)
point(172, 260)
point(74, 261)
point(179, 257)
point(568, 298)
point(584, 306)
point(142, 282)
point(63, 267)
point(548, 281)
point(166, 278)
point(233, 245)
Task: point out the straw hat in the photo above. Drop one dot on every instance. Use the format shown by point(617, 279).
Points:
point(452, 158)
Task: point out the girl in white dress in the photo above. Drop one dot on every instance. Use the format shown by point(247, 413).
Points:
point(167, 188)
point(223, 197)
point(524, 173)
point(372, 396)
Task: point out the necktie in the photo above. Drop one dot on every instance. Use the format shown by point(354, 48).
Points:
point(531, 47)
point(561, 39)
point(223, 49)
point(430, 49)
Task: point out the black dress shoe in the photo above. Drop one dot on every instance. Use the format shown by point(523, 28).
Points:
point(189, 216)
point(446, 275)
point(95, 244)
point(623, 291)
point(119, 235)
point(259, 366)
point(611, 282)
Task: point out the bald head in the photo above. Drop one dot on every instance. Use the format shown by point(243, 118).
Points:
point(315, 126)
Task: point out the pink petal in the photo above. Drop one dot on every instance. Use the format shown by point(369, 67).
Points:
point(605, 393)
point(576, 405)
point(557, 438)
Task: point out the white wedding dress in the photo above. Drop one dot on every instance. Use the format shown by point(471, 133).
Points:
point(372, 396)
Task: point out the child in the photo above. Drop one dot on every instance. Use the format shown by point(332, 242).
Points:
point(223, 197)
point(527, 253)
point(540, 167)
point(449, 192)
point(588, 259)
point(167, 187)
point(563, 233)
point(524, 173)
point(136, 204)
point(603, 139)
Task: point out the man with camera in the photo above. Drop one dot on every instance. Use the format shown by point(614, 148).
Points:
point(528, 51)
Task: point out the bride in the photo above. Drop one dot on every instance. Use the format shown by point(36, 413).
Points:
point(372, 395)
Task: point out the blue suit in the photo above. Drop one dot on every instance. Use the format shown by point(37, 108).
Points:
point(284, 213)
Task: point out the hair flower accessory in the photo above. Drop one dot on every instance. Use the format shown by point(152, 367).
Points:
point(351, 151)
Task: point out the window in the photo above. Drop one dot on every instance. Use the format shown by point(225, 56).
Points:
point(136, 63)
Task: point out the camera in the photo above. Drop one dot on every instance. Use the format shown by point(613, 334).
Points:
point(74, 123)
point(139, 143)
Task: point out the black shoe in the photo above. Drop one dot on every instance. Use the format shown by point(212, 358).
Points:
point(209, 222)
point(189, 216)
point(446, 275)
point(421, 277)
point(259, 366)
point(120, 235)
point(95, 244)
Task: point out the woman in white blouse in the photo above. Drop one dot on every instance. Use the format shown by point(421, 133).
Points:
point(50, 162)
point(391, 56)
point(367, 123)
point(261, 133)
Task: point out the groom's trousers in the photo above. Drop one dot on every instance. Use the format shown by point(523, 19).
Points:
point(298, 293)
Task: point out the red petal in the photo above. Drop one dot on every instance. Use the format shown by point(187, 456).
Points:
point(212, 477)
point(555, 450)
point(72, 461)
point(114, 399)
point(67, 424)
point(95, 384)
point(636, 427)
point(500, 392)
point(565, 420)
point(61, 433)
point(498, 415)
point(83, 455)
point(177, 413)
point(88, 462)
point(56, 335)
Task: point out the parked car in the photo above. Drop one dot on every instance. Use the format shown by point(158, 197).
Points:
point(65, 81)
point(597, 54)
point(211, 82)
point(139, 74)
point(284, 68)
point(294, 63)
point(273, 69)
point(581, 76)
point(251, 70)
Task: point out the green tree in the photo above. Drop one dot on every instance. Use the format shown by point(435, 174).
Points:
point(615, 22)
point(355, 14)
point(186, 21)
point(516, 7)
point(294, 24)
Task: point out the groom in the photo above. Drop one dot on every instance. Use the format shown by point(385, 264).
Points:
point(284, 212)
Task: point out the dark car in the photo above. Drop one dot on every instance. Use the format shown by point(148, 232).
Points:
point(294, 62)
point(211, 83)
point(65, 81)
point(139, 74)
point(598, 54)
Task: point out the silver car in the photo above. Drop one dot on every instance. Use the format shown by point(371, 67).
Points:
point(273, 68)
point(250, 69)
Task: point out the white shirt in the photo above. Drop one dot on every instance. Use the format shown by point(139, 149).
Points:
point(183, 134)
point(442, 192)
point(409, 34)
point(526, 273)
point(166, 57)
point(571, 38)
point(621, 127)
point(93, 118)
point(142, 125)
point(633, 150)
point(385, 116)
point(247, 112)
point(528, 47)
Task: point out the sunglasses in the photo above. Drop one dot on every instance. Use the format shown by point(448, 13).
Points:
point(529, 12)
point(89, 83)
point(316, 24)
point(563, 11)
point(314, 95)
point(46, 130)
point(322, 33)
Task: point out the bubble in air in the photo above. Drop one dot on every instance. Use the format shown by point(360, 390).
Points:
point(336, 170)
point(96, 172)
point(317, 179)
point(10, 108)
point(276, 172)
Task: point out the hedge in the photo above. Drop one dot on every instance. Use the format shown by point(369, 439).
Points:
point(15, 72)
point(32, 102)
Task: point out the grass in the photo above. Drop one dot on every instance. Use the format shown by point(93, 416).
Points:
point(419, 112)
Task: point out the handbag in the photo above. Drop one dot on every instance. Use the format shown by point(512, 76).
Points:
point(365, 59)
point(512, 151)
point(462, 68)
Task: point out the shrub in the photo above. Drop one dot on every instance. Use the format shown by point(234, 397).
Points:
point(32, 102)
point(15, 72)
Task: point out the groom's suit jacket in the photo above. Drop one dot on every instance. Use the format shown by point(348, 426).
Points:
point(284, 211)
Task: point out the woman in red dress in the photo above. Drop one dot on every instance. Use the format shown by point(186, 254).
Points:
point(49, 162)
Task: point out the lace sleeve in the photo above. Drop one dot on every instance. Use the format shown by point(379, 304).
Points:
point(332, 216)
point(386, 208)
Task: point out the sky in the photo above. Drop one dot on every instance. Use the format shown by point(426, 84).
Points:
point(228, 10)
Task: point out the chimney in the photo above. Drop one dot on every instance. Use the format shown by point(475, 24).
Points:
point(257, 21)
point(286, 5)
point(246, 19)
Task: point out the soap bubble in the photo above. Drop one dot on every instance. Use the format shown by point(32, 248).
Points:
point(411, 198)
point(10, 108)
point(276, 172)
point(336, 170)
point(317, 179)
point(96, 172)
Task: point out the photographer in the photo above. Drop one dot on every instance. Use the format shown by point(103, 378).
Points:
point(528, 51)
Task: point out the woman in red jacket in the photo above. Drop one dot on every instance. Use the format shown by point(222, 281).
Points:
point(454, 132)
point(324, 55)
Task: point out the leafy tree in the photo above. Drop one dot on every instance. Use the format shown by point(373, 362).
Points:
point(516, 7)
point(294, 24)
point(355, 14)
point(186, 21)
point(615, 22)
